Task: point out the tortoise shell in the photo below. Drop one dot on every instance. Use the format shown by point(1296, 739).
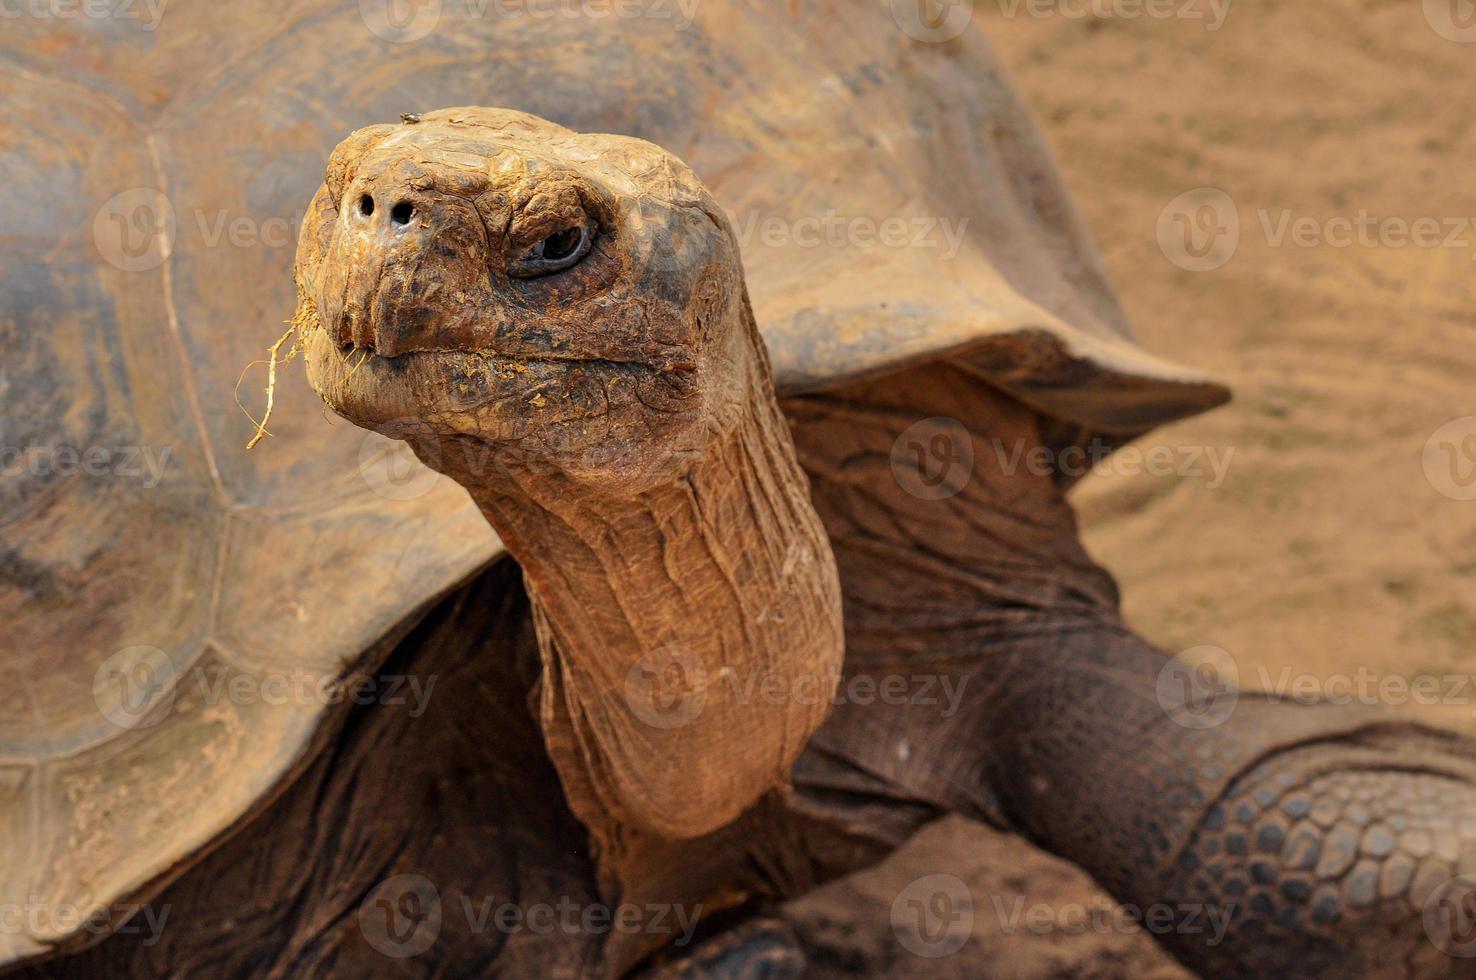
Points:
point(185, 619)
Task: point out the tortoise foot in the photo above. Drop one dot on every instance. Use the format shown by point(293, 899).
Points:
point(1337, 867)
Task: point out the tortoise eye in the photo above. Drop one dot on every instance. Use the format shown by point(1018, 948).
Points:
point(562, 244)
point(554, 253)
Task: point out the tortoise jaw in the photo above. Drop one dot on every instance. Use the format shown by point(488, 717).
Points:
point(360, 351)
point(549, 399)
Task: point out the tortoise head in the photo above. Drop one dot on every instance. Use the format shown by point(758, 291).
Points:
point(484, 276)
point(481, 278)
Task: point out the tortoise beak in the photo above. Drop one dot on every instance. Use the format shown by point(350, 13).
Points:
point(407, 270)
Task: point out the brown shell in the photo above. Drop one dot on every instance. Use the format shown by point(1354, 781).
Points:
point(152, 176)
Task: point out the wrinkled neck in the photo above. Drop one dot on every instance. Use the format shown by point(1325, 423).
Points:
point(948, 539)
point(662, 616)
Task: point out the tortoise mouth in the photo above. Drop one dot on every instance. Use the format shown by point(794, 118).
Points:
point(358, 353)
point(499, 394)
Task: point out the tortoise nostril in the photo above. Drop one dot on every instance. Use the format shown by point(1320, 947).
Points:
point(366, 205)
point(401, 213)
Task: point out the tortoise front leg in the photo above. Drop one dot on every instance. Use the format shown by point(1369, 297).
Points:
point(1283, 839)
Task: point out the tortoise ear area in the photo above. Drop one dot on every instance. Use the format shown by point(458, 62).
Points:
point(343, 163)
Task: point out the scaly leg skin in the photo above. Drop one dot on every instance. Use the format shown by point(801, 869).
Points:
point(1284, 839)
point(1339, 867)
point(760, 948)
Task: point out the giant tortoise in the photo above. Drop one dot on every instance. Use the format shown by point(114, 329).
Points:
point(287, 714)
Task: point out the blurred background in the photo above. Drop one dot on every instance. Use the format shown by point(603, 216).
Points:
point(1324, 137)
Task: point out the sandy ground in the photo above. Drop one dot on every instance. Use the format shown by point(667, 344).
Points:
point(1329, 548)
